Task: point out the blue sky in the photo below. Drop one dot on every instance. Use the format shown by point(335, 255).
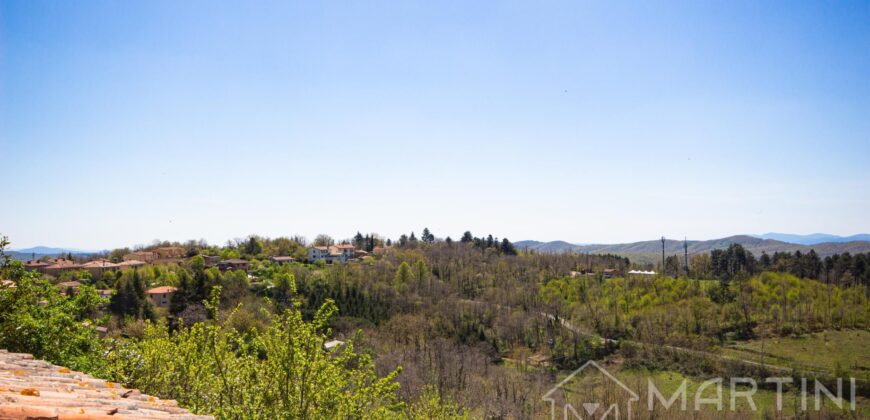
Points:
point(125, 122)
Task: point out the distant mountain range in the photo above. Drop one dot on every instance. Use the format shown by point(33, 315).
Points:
point(813, 238)
point(25, 254)
point(650, 251)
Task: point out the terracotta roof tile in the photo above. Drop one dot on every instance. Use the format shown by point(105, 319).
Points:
point(37, 389)
point(161, 289)
point(99, 264)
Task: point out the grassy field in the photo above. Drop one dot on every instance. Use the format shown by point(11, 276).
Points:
point(847, 350)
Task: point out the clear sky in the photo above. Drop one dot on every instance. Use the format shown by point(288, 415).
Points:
point(122, 122)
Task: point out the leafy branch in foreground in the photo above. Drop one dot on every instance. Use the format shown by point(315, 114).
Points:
point(35, 318)
point(283, 372)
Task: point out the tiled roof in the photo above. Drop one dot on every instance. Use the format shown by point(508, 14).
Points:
point(99, 264)
point(161, 289)
point(37, 389)
point(131, 263)
point(62, 264)
point(36, 263)
point(344, 246)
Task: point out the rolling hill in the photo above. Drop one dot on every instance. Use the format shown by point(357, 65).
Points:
point(25, 254)
point(649, 251)
point(814, 238)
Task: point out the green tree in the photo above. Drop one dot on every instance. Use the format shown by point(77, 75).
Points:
point(284, 372)
point(427, 236)
point(253, 246)
point(403, 275)
point(323, 240)
point(422, 271)
point(4, 259)
point(35, 318)
point(507, 247)
point(431, 405)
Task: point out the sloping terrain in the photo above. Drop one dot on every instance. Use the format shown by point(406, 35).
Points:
point(813, 238)
point(654, 247)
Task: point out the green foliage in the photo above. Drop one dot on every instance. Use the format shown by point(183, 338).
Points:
point(284, 372)
point(403, 275)
point(254, 246)
point(129, 299)
point(432, 405)
point(35, 318)
point(691, 312)
point(4, 259)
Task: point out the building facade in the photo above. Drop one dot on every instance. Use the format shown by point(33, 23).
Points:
point(330, 254)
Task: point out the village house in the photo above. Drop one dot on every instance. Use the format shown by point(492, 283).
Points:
point(211, 260)
point(233, 264)
point(146, 256)
point(282, 260)
point(36, 265)
point(130, 264)
point(330, 254)
point(346, 250)
point(58, 265)
point(98, 267)
point(161, 296)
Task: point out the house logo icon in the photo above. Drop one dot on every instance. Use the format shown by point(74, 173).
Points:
point(564, 403)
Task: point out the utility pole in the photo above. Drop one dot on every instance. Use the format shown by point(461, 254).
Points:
point(663, 255)
point(686, 250)
point(587, 263)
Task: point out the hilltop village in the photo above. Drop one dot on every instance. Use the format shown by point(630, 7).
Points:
point(76, 271)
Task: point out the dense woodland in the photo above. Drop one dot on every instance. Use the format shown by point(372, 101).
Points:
point(435, 328)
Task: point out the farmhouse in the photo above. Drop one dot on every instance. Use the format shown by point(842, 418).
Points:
point(130, 264)
point(59, 265)
point(211, 260)
point(282, 260)
point(98, 267)
point(330, 254)
point(233, 264)
point(161, 296)
point(36, 265)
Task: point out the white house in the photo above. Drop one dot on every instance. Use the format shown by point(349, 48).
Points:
point(330, 254)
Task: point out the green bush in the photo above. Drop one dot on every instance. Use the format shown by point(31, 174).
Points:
point(283, 372)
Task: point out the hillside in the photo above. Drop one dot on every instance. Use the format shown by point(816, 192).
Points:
point(813, 238)
point(646, 251)
point(43, 251)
